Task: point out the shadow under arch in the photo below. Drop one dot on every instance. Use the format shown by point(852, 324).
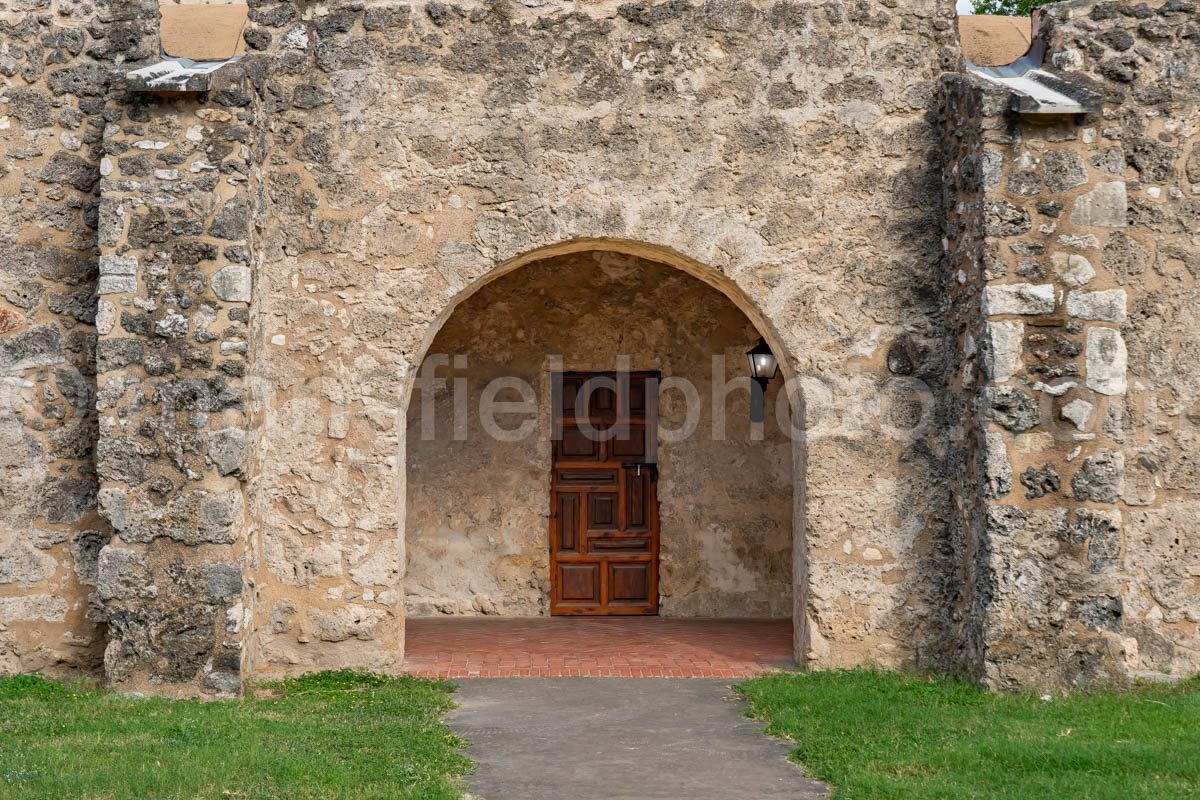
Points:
point(735, 294)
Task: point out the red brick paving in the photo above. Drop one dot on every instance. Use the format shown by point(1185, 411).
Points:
point(596, 647)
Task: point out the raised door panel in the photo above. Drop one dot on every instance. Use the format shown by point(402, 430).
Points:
point(579, 583)
point(567, 522)
point(629, 444)
point(586, 478)
point(629, 583)
point(577, 445)
point(602, 511)
point(637, 512)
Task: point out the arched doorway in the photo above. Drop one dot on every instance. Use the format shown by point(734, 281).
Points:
point(480, 437)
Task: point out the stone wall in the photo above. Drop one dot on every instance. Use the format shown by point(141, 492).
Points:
point(173, 319)
point(397, 157)
point(127, 279)
point(1073, 255)
point(478, 507)
point(998, 472)
point(781, 151)
point(57, 66)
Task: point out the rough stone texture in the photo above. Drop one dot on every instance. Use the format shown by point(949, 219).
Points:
point(477, 508)
point(173, 419)
point(111, 195)
point(996, 469)
point(1104, 384)
point(1100, 477)
point(1040, 481)
point(56, 71)
point(212, 309)
point(685, 134)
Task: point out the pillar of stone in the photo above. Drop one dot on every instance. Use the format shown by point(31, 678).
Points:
point(1052, 227)
point(175, 287)
point(1044, 368)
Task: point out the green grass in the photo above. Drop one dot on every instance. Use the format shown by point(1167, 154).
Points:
point(329, 735)
point(883, 735)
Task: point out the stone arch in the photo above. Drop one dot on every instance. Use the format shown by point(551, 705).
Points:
point(663, 255)
point(762, 321)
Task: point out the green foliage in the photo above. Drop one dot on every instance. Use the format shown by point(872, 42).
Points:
point(344, 735)
point(883, 736)
point(1008, 8)
point(23, 686)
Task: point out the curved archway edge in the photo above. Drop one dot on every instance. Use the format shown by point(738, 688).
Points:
point(708, 275)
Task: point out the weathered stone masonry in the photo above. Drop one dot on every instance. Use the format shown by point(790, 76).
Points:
point(173, 323)
point(1073, 257)
point(524, 129)
point(214, 306)
point(57, 71)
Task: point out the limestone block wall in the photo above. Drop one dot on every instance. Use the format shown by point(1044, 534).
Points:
point(1072, 247)
point(57, 64)
point(478, 504)
point(781, 151)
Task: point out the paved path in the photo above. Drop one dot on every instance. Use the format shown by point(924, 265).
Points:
point(619, 739)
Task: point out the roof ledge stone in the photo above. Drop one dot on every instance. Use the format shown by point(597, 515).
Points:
point(176, 76)
point(1038, 92)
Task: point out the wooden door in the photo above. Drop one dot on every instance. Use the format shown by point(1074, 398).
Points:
point(604, 504)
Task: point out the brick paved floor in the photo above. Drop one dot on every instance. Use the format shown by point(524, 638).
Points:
point(598, 647)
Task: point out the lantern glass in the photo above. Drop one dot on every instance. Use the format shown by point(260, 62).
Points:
point(763, 364)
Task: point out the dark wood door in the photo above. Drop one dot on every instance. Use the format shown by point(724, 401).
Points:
point(604, 504)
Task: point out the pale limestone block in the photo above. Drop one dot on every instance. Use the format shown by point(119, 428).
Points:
point(1072, 269)
point(1103, 306)
point(1002, 357)
point(1105, 206)
point(1078, 411)
point(232, 284)
point(1106, 361)
point(1018, 298)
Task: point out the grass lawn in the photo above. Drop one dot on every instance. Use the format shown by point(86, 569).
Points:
point(328, 735)
point(883, 735)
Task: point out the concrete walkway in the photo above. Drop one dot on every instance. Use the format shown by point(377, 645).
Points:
point(619, 739)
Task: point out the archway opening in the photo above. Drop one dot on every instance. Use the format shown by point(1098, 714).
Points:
point(486, 453)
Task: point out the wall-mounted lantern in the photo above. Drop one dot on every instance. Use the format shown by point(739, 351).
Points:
point(763, 366)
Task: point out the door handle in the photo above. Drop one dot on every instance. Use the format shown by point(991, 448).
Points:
point(650, 467)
